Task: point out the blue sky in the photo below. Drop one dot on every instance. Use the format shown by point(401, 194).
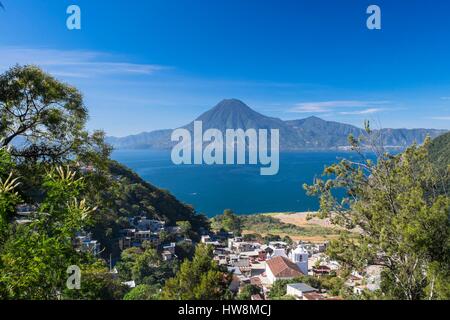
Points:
point(145, 65)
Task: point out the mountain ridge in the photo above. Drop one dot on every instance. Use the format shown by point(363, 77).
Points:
point(311, 133)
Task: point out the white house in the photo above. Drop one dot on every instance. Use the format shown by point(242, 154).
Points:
point(299, 289)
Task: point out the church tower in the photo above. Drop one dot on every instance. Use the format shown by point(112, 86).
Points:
point(300, 257)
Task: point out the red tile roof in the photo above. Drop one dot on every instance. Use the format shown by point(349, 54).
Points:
point(282, 267)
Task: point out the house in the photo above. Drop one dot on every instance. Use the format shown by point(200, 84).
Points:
point(298, 290)
point(315, 296)
point(321, 247)
point(83, 242)
point(125, 243)
point(232, 241)
point(321, 271)
point(143, 235)
point(170, 247)
point(131, 284)
point(145, 224)
point(267, 249)
point(206, 239)
point(281, 268)
point(26, 210)
point(278, 252)
point(240, 247)
point(167, 255)
point(278, 244)
point(241, 262)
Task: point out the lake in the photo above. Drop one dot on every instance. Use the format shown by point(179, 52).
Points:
point(212, 189)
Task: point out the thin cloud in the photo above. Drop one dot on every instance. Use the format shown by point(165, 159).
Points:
point(74, 63)
point(445, 98)
point(366, 111)
point(329, 106)
point(444, 118)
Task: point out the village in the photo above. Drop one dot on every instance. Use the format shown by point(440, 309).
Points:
point(250, 262)
point(255, 263)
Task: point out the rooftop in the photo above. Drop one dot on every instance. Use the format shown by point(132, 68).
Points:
point(282, 267)
point(303, 287)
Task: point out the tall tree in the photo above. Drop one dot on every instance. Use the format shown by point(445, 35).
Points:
point(42, 118)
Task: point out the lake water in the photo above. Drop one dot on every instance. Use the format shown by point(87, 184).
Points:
point(212, 189)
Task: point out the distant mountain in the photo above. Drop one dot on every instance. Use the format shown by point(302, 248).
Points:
point(310, 133)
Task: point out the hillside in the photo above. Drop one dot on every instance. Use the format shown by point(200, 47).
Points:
point(123, 194)
point(440, 150)
point(310, 133)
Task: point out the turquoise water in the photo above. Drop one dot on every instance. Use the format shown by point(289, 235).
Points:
point(212, 189)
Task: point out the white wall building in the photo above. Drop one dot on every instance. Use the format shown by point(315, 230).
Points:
point(300, 257)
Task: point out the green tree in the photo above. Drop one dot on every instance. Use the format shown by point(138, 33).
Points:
point(143, 292)
point(401, 214)
point(9, 198)
point(185, 227)
point(35, 256)
point(185, 250)
point(247, 291)
point(199, 279)
point(228, 221)
point(47, 115)
point(145, 266)
point(97, 283)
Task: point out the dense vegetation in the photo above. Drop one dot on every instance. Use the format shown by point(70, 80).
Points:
point(124, 194)
point(403, 214)
point(439, 150)
point(49, 160)
point(199, 279)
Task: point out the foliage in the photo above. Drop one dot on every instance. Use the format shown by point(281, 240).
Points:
point(185, 250)
point(34, 257)
point(145, 266)
point(185, 227)
point(439, 151)
point(403, 219)
point(247, 291)
point(228, 221)
point(143, 292)
point(199, 279)
point(97, 283)
point(41, 117)
point(9, 198)
point(67, 173)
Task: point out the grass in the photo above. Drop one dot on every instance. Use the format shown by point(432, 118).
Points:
point(273, 223)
